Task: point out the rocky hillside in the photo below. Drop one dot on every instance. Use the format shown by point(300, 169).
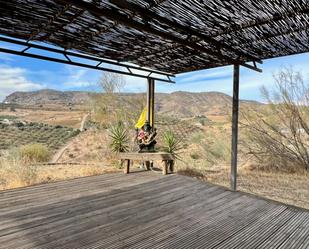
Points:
point(47, 96)
point(178, 104)
point(187, 104)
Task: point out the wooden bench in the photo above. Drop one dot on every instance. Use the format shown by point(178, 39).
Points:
point(167, 158)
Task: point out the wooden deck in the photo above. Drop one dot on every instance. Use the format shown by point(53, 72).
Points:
point(145, 210)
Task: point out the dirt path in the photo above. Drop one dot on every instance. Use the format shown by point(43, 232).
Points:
point(61, 151)
point(82, 124)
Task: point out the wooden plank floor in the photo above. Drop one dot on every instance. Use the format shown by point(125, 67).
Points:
point(145, 210)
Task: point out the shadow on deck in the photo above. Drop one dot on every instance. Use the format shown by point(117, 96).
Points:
point(145, 210)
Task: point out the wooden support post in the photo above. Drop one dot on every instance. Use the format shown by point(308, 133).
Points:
point(127, 167)
point(235, 128)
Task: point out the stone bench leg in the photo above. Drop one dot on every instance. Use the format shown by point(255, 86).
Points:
point(168, 165)
point(171, 163)
point(165, 167)
point(147, 165)
point(127, 167)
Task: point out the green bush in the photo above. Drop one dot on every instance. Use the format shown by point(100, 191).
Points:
point(197, 138)
point(9, 117)
point(119, 136)
point(34, 153)
point(195, 156)
point(216, 149)
point(171, 143)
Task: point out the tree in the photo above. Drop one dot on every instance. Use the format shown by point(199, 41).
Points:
point(110, 106)
point(278, 137)
point(106, 105)
point(111, 83)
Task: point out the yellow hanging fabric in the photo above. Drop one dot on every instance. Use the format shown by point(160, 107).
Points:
point(142, 119)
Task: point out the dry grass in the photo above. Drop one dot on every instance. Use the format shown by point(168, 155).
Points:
point(15, 175)
point(59, 117)
point(89, 147)
point(65, 171)
point(289, 188)
point(191, 172)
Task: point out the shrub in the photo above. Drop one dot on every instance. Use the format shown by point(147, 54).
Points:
point(171, 143)
point(195, 156)
point(27, 174)
point(14, 173)
point(192, 172)
point(216, 149)
point(34, 153)
point(279, 137)
point(119, 136)
point(197, 137)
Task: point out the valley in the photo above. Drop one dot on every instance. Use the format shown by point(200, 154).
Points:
point(200, 120)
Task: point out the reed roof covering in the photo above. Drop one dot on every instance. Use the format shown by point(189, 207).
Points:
point(167, 35)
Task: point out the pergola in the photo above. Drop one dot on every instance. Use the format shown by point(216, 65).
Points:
point(156, 39)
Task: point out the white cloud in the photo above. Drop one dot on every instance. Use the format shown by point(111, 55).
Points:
point(134, 84)
point(14, 79)
point(6, 57)
point(222, 72)
point(76, 77)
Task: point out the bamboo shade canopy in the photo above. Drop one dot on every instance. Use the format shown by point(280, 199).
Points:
point(167, 35)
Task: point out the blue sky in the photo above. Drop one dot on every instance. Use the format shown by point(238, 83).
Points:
point(25, 74)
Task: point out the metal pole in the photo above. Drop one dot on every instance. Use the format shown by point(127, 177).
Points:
point(148, 100)
point(79, 55)
point(235, 127)
point(152, 103)
point(80, 64)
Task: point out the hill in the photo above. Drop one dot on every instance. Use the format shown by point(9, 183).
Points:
point(48, 96)
point(178, 104)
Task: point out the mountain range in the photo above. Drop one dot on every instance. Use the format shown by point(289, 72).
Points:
point(180, 104)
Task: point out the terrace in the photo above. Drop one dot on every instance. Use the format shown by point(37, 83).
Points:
point(146, 210)
point(152, 40)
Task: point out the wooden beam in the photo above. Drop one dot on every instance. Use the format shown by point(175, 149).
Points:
point(235, 128)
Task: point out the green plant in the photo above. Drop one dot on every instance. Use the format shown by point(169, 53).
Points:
point(9, 117)
point(197, 137)
point(34, 153)
point(195, 156)
point(119, 137)
point(171, 143)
